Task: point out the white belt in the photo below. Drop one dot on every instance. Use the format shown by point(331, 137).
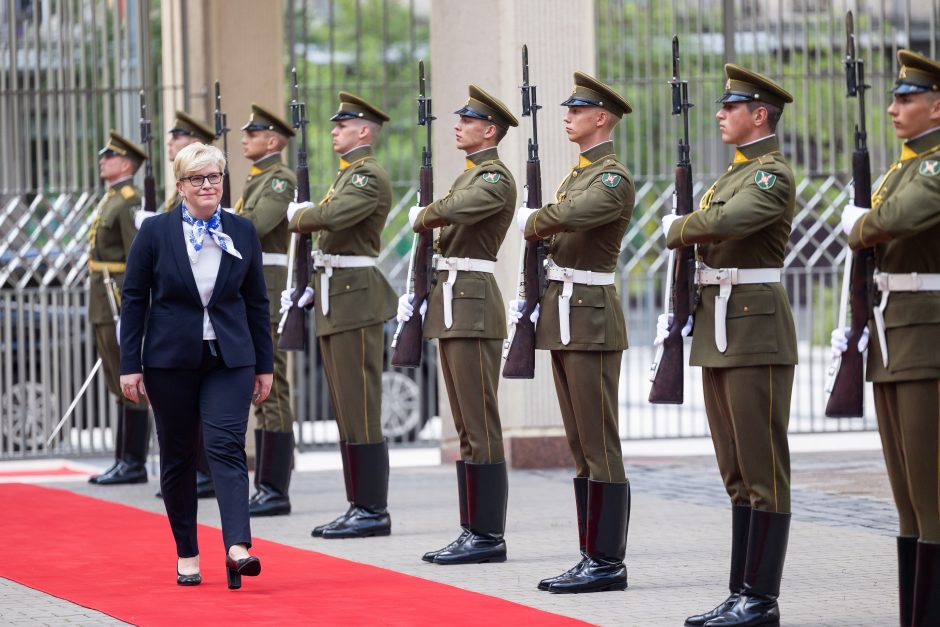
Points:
point(570, 276)
point(453, 265)
point(725, 278)
point(274, 259)
point(888, 282)
point(328, 262)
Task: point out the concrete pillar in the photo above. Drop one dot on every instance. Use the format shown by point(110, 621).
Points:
point(481, 42)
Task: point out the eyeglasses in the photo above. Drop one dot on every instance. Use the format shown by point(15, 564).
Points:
point(197, 180)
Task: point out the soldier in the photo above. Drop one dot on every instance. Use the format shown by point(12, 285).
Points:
point(903, 226)
point(112, 232)
point(745, 340)
point(465, 312)
point(267, 192)
point(353, 300)
point(582, 324)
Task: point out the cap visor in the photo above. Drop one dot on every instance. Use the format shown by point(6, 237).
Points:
point(470, 113)
point(733, 97)
point(908, 88)
point(579, 102)
point(251, 126)
point(343, 115)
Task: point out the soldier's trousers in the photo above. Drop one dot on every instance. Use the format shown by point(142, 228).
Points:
point(909, 420)
point(471, 376)
point(110, 353)
point(748, 410)
point(275, 413)
point(353, 363)
point(587, 386)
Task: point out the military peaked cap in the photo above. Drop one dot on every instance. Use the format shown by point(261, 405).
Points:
point(917, 74)
point(185, 124)
point(352, 107)
point(123, 147)
point(483, 106)
point(263, 120)
point(590, 92)
point(746, 86)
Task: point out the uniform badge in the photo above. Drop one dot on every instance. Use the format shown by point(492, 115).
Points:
point(765, 180)
point(931, 167)
point(359, 180)
point(491, 177)
point(278, 185)
point(610, 179)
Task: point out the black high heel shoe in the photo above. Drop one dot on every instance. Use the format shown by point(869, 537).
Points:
point(187, 580)
point(249, 567)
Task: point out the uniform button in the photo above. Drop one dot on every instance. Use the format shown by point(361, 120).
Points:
point(347, 287)
point(461, 293)
point(746, 308)
point(575, 173)
point(579, 301)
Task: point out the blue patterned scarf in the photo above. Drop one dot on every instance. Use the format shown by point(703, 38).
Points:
point(212, 227)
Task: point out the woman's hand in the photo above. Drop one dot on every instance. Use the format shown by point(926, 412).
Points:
point(263, 384)
point(132, 386)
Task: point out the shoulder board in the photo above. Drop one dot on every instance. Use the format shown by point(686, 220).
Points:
point(129, 193)
point(766, 159)
point(929, 151)
point(488, 163)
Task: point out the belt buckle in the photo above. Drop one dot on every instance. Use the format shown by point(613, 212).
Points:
point(568, 274)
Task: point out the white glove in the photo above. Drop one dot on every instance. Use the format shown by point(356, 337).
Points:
point(406, 309)
point(668, 219)
point(117, 330)
point(142, 215)
point(850, 215)
point(413, 214)
point(840, 342)
point(663, 323)
point(522, 217)
point(294, 207)
point(287, 299)
point(515, 311)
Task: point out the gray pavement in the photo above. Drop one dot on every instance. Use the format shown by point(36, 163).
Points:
point(840, 568)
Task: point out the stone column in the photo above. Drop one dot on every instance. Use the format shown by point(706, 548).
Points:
point(561, 39)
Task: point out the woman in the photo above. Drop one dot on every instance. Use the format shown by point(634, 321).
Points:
point(195, 339)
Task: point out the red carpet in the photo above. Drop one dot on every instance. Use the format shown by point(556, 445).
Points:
point(119, 560)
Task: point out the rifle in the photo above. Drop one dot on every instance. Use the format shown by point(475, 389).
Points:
point(846, 374)
point(146, 138)
point(668, 365)
point(519, 348)
point(408, 340)
point(293, 325)
point(221, 130)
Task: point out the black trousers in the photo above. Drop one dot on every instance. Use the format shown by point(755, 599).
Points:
point(217, 400)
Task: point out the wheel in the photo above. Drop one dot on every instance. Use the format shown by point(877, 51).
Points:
point(22, 416)
point(401, 405)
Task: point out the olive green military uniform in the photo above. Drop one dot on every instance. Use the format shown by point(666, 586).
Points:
point(473, 217)
point(581, 322)
point(586, 224)
point(267, 192)
point(748, 358)
point(350, 219)
point(904, 228)
point(744, 222)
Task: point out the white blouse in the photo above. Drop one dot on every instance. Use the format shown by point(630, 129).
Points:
point(205, 271)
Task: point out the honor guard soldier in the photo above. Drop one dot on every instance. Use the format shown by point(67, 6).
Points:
point(465, 311)
point(267, 192)
point(903, 226)
point(580, 320)
point(353, 300)
point(112, 232)
point(745, 340)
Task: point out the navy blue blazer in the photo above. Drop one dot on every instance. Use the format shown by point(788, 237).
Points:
point(159, 278)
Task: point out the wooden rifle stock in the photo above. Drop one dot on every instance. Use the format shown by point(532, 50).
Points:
point(520, 359)
point(294, 334)
point(409, 342)
point(846, 398)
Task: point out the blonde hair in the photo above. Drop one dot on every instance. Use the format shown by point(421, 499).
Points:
point(196, 157)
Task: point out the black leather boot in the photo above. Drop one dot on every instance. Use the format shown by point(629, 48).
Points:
point(487, 497)
point(580, 501)
point(740, 524)
point(368, 476)
point(118, 449)
point(608, 519)
point(907, 567)
point(766, 552)
point(318, 530)
point(462, 507)
point(132, 466)
point(259, 436)
point(926, 585)
point(204, 486)
point(277, 461)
